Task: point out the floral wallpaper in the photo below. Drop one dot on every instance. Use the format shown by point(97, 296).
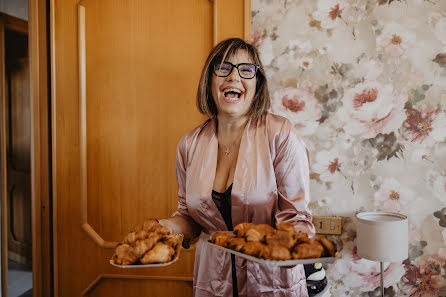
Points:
point(365, 83)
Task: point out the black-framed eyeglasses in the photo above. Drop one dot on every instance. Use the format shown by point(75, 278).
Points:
point(245, 70)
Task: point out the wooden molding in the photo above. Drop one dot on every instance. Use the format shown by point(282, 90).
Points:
point(40, 149)
point(97, 238)
point(83, 134)
point(52, 37)
point(215, 21)
point(95, 283)
point(3, 182)
point(247, 20)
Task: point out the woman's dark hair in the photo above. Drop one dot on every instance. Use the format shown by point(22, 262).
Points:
point(227, 48)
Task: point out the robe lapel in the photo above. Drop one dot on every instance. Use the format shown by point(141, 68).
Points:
point(239, 205)
point(208, 158)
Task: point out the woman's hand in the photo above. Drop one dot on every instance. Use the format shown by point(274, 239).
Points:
point(178, 225)
point(167, 223)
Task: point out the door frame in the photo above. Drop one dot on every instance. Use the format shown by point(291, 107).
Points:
point(41, 209)
point(41, 193)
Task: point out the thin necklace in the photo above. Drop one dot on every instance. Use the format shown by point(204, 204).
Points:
point(228, 148)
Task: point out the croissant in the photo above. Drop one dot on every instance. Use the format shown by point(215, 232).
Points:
point(134, 236)
point(152, 225)
point(149, 224)
point(160, 253)
point(259, 232)
point(308, 250)
point(301, 237)
point(241, 229)
point(253, 248)
point(171, 240)
point(235, 243)
point(276, 252)
point(283, 238)
point(221, 238)
point(285, 226)
point(329, 249)
point(142, 246)
point(124, 256)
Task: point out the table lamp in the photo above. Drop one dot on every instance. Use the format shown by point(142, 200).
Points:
point(383, 237)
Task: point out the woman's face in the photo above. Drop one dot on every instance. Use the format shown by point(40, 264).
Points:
point(233, 94)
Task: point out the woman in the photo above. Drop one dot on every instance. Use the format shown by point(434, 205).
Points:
point(244, 164)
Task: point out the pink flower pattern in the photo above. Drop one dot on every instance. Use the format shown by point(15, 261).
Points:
point(423, 280)
point(364, 88)
point(257, 39)
point(418, 124)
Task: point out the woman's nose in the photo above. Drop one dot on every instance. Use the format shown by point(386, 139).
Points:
point(234, 75)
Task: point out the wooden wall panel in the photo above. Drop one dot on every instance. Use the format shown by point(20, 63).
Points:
point(137, 93)
point(146, 288)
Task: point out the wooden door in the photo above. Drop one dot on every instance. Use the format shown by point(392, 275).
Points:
point(15, 145)
point(18, 130)
point(124, 79)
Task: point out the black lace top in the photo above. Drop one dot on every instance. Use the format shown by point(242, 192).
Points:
point(223, 203)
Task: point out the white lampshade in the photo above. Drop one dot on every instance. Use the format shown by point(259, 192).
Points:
point(382, 236)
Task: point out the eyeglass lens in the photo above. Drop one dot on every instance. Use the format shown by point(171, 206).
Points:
point(245, 70)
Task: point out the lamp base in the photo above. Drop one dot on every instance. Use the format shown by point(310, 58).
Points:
point(381, 264)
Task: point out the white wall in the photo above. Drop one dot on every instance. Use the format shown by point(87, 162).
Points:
point(17, 8)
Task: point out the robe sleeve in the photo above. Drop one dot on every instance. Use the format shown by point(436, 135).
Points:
point(193, 229)
point(291, 168)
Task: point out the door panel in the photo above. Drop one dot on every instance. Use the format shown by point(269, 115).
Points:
point(138, 78)
point(124, 80)
point(18, 147)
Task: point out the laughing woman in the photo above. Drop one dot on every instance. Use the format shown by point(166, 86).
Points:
point(244, 164)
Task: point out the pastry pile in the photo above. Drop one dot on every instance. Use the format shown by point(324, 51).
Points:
point(265, 242)
point(151, 243)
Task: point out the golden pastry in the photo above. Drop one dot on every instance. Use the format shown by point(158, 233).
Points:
point(124, 256)
point(235, 243)
point(284, 238)
point(308, 250)
point(328, 246)
point(221, 238)
point(253, 248)
point(241, 229)
point(143, 246)
point(171, 240)
point(276, 252)
point(259, 232)
point(284, 226)
point(160, 253)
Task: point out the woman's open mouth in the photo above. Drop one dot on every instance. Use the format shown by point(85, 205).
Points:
point(232, 95)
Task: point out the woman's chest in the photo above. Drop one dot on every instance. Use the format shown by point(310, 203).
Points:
point(225, 170)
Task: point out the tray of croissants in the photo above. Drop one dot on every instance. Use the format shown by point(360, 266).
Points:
point(150, 245)
point(280, 246)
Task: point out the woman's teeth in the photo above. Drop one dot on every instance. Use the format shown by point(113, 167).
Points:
point(232, 94)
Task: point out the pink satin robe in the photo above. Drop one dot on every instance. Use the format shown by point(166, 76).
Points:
point(271, 184)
